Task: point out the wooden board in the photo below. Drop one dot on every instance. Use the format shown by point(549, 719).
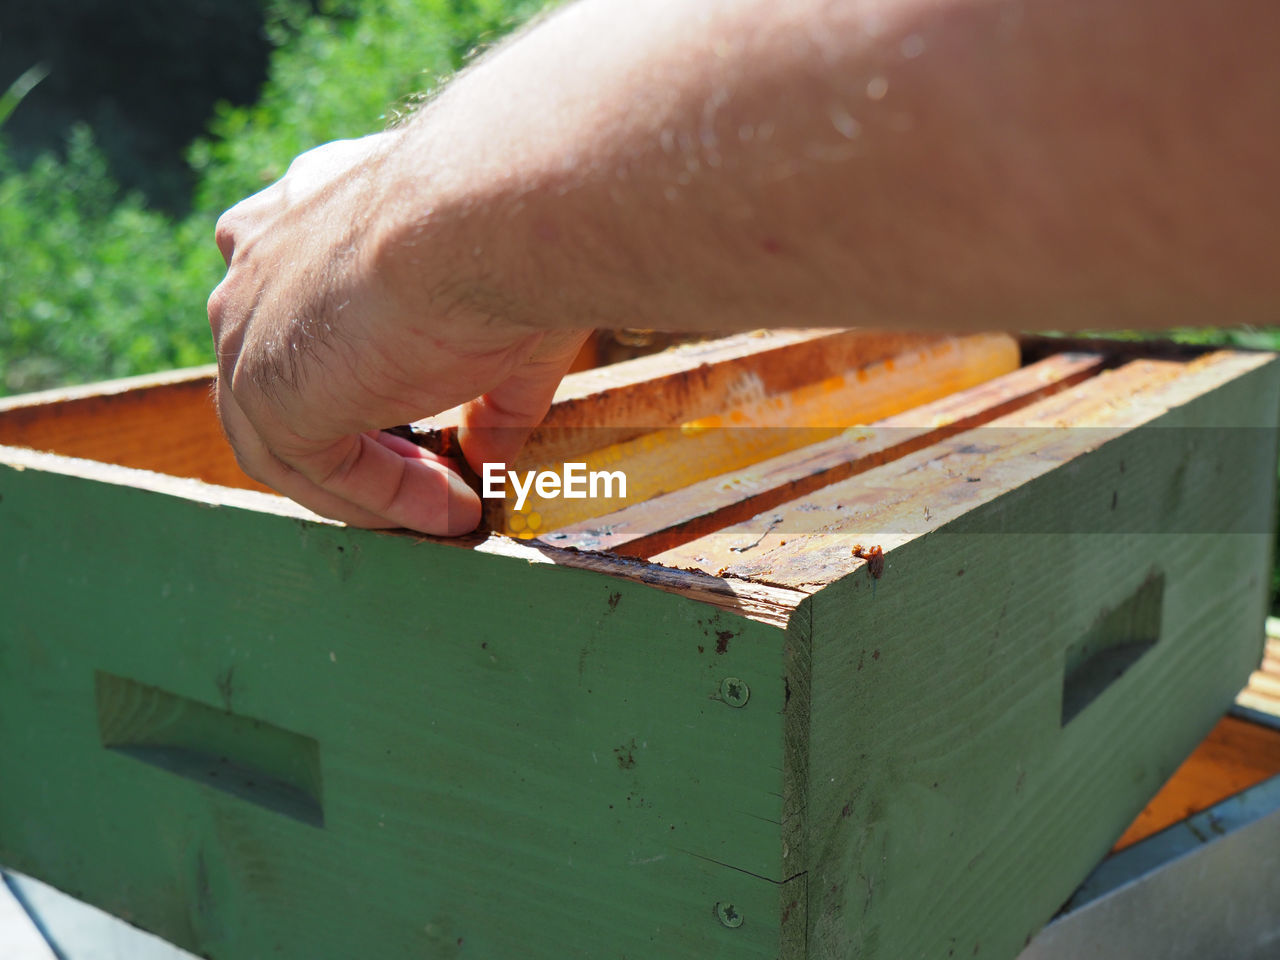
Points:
point(940, 770)
point(1242, 751)
point(497, 779)
point(163, 422)
point(758, 426)
point(282, 721)
point(806, 544)
point(671, 519)
point(1263, 691)
point(696, 380)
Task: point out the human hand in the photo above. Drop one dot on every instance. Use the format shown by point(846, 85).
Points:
point(330, 326)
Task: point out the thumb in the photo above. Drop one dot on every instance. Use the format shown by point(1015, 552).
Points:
point(496, 425)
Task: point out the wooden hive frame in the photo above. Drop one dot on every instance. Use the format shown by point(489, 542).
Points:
point(699, 726)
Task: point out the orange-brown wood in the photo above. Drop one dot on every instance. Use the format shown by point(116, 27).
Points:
point(604, 347)
point(666, 521)
point(804, 545)
point(755, 428)
point(163, 422)
point(696, 380)
point(166, 422)
point(611, 404)
point(1235, 756)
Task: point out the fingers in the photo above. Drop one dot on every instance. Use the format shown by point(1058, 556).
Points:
point(256, 460)
point(367, 480)
point(496, 425)
point(302, 377)
point(412, 490)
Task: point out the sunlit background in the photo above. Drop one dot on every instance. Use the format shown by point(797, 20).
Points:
point(126, 128)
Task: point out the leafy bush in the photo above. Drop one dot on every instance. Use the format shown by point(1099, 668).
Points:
point(342, 75)
point(94, 284)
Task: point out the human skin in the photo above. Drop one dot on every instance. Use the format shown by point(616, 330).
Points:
point(939, 164)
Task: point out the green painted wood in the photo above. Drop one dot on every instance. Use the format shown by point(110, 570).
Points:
point(514, 759)
point(950, 810)
point(264, 736)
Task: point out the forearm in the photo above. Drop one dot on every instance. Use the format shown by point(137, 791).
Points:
point(716, 165)
point(975, 164)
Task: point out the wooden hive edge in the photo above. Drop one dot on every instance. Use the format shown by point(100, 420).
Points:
point(742, 586)
point(353, 638)
point(759, 602)
point(941, 765)
point(671, 519)
point(798, 547)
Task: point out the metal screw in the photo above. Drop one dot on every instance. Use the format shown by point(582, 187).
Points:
point(734, 692)
point(728, 914)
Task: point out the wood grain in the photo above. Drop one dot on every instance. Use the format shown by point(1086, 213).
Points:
point(807, 544)
point(1263, 691)
point(525, 750)
point(163, 422)
point(673, 518)
point(940, 771)
point(500, 779)
point(757, 427)
point(696, 380)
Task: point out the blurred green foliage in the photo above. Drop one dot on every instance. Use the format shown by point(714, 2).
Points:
point(92, 283)
point(342, 75)
point(96, 284)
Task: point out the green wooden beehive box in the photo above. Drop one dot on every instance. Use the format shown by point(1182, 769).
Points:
point(699, 727)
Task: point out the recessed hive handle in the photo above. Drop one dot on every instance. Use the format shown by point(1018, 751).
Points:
point(251, 759)
point(1115, 642)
